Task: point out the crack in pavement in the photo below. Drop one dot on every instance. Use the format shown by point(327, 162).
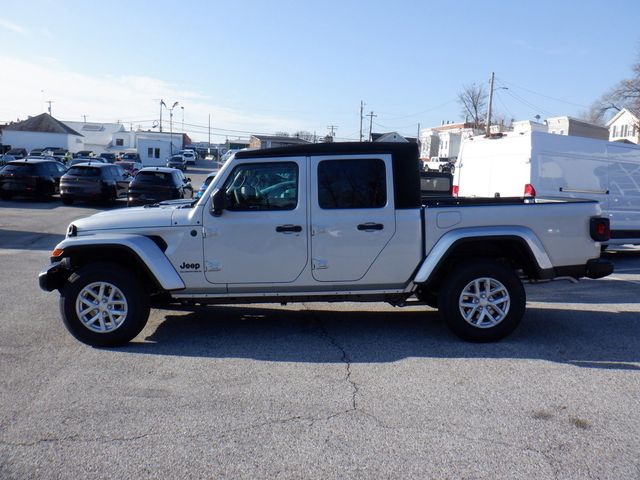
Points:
point(74, 439)
point(345, 358)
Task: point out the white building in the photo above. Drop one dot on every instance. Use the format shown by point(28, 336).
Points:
point(527, 126)
point(390, 137)
point(42, 131)
point(429, 143)
point(444, 141)
point(155, 148)
point(574, 127)
point(625, 127)
point(101, 137)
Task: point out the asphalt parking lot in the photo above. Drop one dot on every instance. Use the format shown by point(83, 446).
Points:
point(315, 390)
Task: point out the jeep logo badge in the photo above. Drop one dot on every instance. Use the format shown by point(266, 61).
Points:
point(189, 266)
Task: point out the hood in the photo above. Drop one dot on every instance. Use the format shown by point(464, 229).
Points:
point(129, 218)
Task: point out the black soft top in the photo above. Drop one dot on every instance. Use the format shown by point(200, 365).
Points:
point(405, 160)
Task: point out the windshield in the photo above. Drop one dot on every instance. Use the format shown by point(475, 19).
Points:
point(84, 172)
point(130, 156)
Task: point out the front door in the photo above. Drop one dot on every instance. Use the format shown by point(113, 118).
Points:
point(261, 235)
point(352, 215)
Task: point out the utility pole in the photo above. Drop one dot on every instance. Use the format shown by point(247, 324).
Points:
point(209, 141)
point(371, 115)
point(171, 124)
point(361, 111)
point(333, 128)
point(161, 105)
point(85, 118)
point(488, 130)
point(49, 102)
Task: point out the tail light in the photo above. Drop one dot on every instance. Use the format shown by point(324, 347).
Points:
point(599, 229)
point(529, 191)
point(454, 190)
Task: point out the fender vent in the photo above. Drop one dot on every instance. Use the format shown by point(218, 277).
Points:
point(159, 241)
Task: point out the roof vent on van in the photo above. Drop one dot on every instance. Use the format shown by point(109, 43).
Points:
point(529, 191)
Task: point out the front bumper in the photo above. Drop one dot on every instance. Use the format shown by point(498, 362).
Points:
point(55, 275)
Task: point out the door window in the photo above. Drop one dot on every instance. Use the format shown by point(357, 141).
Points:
point(262, 186)
point(356, 183)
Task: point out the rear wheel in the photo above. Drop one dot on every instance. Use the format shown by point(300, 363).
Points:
point(482, 301)
point(103, 305)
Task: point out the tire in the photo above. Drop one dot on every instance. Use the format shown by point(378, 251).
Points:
point(67, 200)
point(483, 322)
point(120, 291)
point(6, 195)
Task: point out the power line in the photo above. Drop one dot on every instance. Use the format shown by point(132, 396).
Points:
point(421, 112)
point(543, 95)
point(528, 104)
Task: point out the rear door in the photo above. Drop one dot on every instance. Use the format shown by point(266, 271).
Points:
point(352, 214)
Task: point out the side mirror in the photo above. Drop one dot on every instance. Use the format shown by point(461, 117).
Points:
point(187, 179)
point(218, 203)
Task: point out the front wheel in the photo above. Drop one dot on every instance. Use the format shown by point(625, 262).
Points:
point(482, 301)
point(103, 305)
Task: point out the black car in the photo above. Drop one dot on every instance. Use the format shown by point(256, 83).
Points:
point(109, 157)
point(99, 182)
point(18, 153)
point(58, 153)
point(83, 153)
point(155, 184)
point(177, 161)
point(33, 178)
point(131, 157)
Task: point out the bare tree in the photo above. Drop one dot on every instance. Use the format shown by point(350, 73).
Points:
point(282, 134)
point(625, 94)
point(473, 100)
point(304, 135)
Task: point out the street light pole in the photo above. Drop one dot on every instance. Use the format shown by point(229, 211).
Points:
point(182, 119)
point(171, 124)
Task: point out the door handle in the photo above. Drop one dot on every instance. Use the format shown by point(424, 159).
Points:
point(369, 227)
point(288, 228)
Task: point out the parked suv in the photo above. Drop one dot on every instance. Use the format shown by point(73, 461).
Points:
point(94, 181)
point(155, 184)
point(189, 157)
point(177, 161)
point(35, 178)
point(109, 157)
point(18, 153)
point(131, 157)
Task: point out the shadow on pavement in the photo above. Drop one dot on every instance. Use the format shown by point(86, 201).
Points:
point(31, 203)
point(586, 339)
point(21, 240)
point(591, 292)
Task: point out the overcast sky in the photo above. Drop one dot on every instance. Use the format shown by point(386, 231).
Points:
point(264, 67)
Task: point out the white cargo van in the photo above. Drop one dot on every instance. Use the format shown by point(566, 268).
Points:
point(548, 165)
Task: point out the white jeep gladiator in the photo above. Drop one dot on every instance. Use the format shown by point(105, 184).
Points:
point(325, 222)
